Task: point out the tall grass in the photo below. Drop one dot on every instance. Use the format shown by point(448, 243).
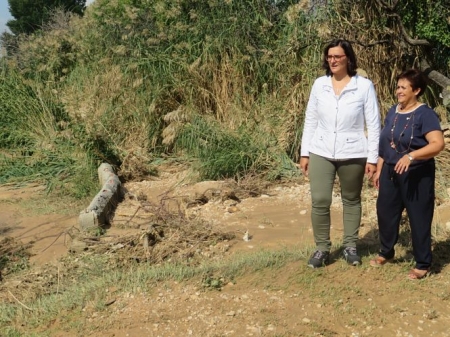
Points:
point(116, 73)
point(37, 142)
point(223, 154)
point(108, 85)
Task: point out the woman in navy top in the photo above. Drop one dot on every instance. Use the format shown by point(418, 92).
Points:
point(409, 141)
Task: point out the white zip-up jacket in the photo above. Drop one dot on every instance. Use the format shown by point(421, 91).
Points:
point(335, 125)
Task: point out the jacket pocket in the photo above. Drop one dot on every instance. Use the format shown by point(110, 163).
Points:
point(354, 146)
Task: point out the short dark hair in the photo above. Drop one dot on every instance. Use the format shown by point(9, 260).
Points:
point(348, 50)
point(417, 79)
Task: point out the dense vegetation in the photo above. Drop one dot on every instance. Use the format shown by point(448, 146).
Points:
point(221, 85)
point(29, 15)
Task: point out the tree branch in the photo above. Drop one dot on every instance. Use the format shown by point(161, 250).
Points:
point(384, 4)
point(366, 45)
point(433, 75)
point(391, 8)
point(439, 79)
point(409, 39)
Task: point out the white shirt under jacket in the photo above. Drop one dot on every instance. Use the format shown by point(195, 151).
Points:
point(335, 125)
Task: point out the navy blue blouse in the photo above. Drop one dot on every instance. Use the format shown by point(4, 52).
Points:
point(403, 133)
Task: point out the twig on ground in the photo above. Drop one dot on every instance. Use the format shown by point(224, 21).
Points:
point(64, 232)
point(131, 218)
point(23, 305)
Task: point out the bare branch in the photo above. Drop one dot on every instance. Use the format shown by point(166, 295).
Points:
point(391, 8)
point(409, 39)
point(439, 79)
point(367, 45)
point(384, 4)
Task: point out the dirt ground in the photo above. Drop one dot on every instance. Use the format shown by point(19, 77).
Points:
point(374, 303)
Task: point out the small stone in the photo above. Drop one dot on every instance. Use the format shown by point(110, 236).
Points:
point(233, 209)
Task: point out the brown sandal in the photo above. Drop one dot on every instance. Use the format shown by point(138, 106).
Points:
point(417, 274)
point(379, 261)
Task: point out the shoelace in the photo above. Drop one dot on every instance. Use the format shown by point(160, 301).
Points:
point(351, 250)
point(318, 254)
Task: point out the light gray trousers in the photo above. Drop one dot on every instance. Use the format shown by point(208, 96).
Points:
point(322, 174)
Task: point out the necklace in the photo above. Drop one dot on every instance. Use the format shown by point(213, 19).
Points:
point(395, 146)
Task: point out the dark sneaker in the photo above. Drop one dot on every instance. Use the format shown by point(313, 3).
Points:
point(351, 256)
point(318, 259)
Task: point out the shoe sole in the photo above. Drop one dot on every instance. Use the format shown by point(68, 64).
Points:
point(354, 263)
point(316, 267)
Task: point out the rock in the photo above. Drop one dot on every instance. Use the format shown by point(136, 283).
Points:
point(233, 209)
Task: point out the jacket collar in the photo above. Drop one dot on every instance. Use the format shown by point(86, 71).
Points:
point(352, 85)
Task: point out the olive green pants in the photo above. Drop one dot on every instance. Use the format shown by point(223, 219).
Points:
point(322, 174)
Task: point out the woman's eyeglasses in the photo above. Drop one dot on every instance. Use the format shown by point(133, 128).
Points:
point(336, 57)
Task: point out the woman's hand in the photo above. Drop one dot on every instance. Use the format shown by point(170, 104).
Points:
point(304, 165)
point(402, 165)
point(376, 176)
point(435, 145)
point(376, 179)
point(371, 169)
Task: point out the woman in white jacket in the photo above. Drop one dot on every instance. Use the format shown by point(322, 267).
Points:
point(340, 136)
